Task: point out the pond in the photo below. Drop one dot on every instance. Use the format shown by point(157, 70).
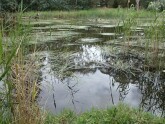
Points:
point(94, 64)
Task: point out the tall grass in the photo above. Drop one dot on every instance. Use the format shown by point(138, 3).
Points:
point(18, 77)
point(19, 73)
point(152, 41)
point(1, 47)
point(6, 86)
point(25, 77)
point(155, 36)
point(92, 13)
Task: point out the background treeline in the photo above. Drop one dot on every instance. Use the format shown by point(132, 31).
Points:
point(15, 5)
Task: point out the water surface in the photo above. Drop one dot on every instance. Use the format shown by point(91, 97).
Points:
point(86, 65)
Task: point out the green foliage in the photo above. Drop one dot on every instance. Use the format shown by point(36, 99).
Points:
point(145, 3)
point(6, 86)
point(8, 49)
point(156, 6)
point(14, 5)
point(1, 48)
point(52, 5)
point(8, 5)
point(122, 114)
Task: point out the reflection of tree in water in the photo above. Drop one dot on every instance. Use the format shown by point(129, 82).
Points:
point(72, 90)
point(152, 86)
point(126, 71)
point(123, 87)
point(123, 91)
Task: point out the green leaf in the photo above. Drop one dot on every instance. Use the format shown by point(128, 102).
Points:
point(4, 73)
point(7, 64)
point(1, 48)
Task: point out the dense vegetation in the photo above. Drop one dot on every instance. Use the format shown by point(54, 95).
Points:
point(14, 5)
point(14, 69)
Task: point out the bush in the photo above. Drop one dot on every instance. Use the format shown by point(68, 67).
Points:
point(15, 5)
point(10, 5)
point(156, 6)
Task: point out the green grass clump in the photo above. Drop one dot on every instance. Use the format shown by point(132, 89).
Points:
point(18, 85)
point(122, 114)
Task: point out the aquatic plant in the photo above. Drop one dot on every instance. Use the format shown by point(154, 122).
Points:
point(155, 35)
point(20, 81)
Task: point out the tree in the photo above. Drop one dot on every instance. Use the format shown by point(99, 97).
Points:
point(137, 4)
point(10, 5)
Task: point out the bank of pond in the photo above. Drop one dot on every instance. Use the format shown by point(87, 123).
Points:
point(120, 114)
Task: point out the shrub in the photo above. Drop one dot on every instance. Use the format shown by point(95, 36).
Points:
point(156, 6)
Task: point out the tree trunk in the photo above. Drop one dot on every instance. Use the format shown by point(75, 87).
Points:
point(128, 3)
point(137, 4)
point(76, 4)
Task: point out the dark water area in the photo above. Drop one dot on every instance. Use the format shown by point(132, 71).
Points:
point(94, 65)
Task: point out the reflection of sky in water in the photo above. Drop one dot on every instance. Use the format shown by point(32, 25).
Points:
point(90, 87)
point(85, 91)
point(88, 54)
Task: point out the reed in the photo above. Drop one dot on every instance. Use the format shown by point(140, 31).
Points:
point(18, 77)
point(155, 35)
point(25, 79)
point(92, 13)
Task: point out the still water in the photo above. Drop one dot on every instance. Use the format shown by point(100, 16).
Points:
point(94, 65)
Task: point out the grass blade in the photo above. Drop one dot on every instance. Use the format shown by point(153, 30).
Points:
point(1, 48)
point(4, 73)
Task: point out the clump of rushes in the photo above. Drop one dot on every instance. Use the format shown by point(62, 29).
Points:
point(122, 114)
point(18, 77)
point(25, 78)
